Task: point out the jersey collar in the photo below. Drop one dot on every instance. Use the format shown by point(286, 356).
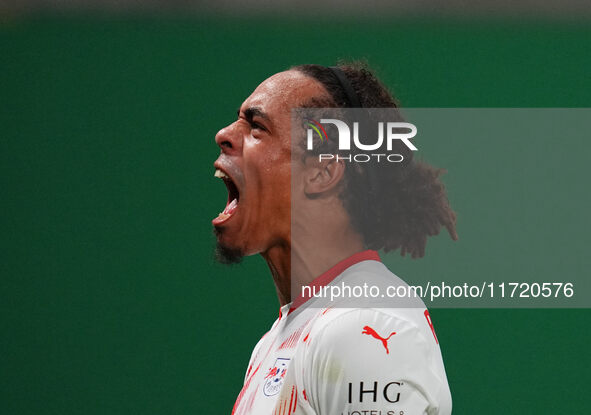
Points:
point(336, 270)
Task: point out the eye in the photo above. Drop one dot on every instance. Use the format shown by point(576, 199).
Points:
point(256, 126)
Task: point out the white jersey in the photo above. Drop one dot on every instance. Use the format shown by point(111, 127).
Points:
point(347, 361)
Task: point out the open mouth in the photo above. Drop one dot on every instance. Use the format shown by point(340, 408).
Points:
point(233, 198)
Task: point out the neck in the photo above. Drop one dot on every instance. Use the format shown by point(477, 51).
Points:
point(313, 251)
point(279, 262)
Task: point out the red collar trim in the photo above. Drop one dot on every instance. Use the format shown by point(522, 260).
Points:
point(335, 271)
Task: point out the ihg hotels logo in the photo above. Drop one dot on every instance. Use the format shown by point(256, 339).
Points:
point(380, 150)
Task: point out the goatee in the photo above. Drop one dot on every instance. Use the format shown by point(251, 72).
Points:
point(226, 255)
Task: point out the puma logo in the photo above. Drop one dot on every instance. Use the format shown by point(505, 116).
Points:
point(371, 332)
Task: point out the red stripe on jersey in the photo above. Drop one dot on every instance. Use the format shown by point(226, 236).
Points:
point(334, 272)
point(290, 400)
point(250, 402)
point(428, 317)
point(244, 388)
point(292, 339)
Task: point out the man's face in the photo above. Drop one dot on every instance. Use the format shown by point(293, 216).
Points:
point(255, 164)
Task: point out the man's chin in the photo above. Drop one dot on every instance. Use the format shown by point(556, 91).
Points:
point(225, 254)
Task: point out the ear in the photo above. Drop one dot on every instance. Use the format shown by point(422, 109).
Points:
point(322, 176)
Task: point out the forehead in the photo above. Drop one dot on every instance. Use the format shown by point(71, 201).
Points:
point(283, 91)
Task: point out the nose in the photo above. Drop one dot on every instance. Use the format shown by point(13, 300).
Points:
point(229, 138)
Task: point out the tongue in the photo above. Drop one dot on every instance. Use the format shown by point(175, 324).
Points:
point(228, 211)
point(231, 207)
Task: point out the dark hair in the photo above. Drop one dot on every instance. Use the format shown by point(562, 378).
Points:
point(406, 202)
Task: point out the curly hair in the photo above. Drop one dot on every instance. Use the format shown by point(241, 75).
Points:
point(392, 205)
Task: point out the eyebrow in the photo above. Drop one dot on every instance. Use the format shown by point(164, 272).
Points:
point(252, 112)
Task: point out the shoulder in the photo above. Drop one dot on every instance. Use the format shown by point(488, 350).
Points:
point(376, 351)
point(371, 304)
point(371, 330)
point(370, 284)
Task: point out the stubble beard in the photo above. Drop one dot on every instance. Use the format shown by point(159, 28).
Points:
point(224, 254)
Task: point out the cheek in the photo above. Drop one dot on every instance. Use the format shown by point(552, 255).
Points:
point(274, 188)
point(267, 163)
point(275, 185)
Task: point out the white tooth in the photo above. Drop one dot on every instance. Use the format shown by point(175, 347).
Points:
point(220, 174)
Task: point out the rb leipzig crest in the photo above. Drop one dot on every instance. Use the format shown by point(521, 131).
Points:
point(275, 377)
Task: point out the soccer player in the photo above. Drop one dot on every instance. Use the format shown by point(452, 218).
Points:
point(318, 357)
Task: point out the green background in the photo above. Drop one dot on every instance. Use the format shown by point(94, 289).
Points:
point(111, 302)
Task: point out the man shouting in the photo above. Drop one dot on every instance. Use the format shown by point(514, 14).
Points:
point(319, 222)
